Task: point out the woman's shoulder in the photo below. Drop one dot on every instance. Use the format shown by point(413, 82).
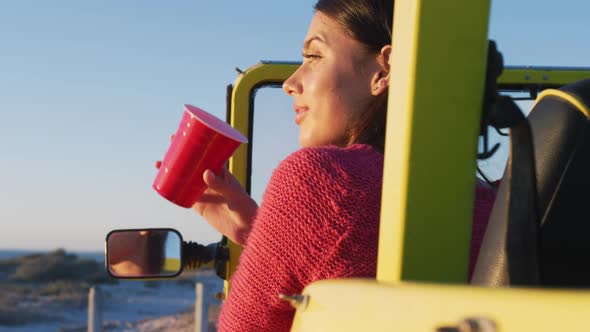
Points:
point(333, 158)
point(329, 169)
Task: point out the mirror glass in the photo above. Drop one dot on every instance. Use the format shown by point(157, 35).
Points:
point(144, 253)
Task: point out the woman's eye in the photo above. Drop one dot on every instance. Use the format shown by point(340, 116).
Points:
point(311, 56)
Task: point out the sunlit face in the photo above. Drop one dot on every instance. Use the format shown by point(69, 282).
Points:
point(332, 86)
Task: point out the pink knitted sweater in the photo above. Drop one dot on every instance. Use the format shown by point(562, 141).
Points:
point(319, 219)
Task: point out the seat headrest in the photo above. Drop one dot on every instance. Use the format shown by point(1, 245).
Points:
point(560, 125)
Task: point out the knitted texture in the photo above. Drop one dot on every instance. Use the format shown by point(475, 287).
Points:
point(484, 202)
point(319, 219)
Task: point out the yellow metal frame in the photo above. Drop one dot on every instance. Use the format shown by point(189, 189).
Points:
point(241, 117)
point(431, 143)
point(365, 305)
point(172, 264)
point(540, 77)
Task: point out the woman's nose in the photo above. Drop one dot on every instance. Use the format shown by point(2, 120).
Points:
point(292, 86)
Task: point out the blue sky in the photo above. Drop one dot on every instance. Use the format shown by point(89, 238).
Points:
point(90, 91)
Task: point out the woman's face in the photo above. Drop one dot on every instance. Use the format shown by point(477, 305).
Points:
point(333, 85)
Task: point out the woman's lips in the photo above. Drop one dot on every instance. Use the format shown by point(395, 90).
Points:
point(300, 113)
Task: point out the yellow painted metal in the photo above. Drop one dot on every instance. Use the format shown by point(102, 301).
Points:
point(241, 118)
point(549, 76)
point(171, 265)
point(433, 121)
point(366, 305)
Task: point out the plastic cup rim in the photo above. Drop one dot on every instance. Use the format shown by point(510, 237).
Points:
point(239, 136)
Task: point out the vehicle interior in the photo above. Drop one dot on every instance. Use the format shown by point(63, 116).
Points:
point(547, 252)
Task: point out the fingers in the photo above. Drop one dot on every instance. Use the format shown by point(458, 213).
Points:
point(218, 183)
point(211, 180)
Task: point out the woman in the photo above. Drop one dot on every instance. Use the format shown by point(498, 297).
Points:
point(319, 217)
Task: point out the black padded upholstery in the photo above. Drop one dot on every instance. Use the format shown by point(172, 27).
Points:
point(561, 139)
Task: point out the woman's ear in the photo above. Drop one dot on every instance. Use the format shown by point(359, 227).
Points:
point(380, 79)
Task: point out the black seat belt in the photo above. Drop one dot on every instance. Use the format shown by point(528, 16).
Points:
point(523, 226)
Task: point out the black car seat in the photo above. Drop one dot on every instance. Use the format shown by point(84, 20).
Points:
point(560, 127)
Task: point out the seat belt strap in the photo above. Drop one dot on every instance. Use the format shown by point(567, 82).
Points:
point(522, 241)
point(523, 229)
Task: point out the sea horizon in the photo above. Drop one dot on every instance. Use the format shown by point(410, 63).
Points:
point(12, 253)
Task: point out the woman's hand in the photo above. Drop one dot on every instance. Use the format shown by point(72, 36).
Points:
point(226, 205)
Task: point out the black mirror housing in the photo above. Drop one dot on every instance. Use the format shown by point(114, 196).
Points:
point(144, 253)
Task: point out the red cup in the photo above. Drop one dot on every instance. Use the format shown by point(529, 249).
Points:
point(201, 142)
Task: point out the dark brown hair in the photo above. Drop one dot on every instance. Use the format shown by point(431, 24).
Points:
point(368, 22)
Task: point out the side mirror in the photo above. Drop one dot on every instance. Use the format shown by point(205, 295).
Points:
point(144, 253)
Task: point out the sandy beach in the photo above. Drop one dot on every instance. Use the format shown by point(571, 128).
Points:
point(61, 304)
